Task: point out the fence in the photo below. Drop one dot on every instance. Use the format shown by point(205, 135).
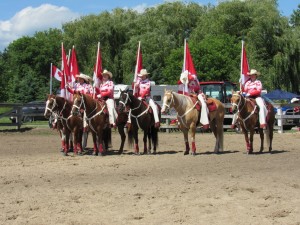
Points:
point(15, 110)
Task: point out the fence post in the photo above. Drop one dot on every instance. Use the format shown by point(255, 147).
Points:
point(279, 121)
point(168, 123)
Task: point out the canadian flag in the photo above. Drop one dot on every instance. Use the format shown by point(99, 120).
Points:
point(56, 73)
point(244, 66)
point(188, 61)
point(74, 70)
point(97, 76)
point(138, 67)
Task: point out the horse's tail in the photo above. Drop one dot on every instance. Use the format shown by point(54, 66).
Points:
point(154, 136)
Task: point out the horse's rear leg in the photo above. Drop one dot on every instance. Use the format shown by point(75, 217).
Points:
point(95, 151)
point(193, 132)
point(136, 142)
point(261, 134)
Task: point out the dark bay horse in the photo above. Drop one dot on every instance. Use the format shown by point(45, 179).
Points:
point(188, 116)
point(97, 119)
point(71, 124)
point(248, 119)
point(141, 118)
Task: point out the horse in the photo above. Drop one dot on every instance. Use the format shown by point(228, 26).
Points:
point(248, 119)
point(70, 124)
point(141, 118)
point(97, 119)
point(188, 116)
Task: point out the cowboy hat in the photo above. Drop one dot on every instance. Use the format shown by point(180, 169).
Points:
point(253, 72)
point(294, 100)
point(85, 77)
point(143, 72)
point(107, 73)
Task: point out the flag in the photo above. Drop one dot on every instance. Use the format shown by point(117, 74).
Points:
point(97, 76)
point(56, 73)
point(188, 66)
point(74, 70)
point(66, 72)
point(244, 66)
point(138, 67)
point(188, 61)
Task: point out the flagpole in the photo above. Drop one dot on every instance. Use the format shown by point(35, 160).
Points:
point(96, 71)
point(184, 66)
point(63, 69)
point(50, 79)
point(241, 73)
point(136, 67)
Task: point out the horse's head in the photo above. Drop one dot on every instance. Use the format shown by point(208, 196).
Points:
point(77, 104)
point(168, 101)
point(51, 105)
point(125, 99)
point(236, 101)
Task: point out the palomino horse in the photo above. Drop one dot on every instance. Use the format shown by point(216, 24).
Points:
point(140, 118)
point(248, 120)
point(71, 124)
point(188, 117)
point(97, 119)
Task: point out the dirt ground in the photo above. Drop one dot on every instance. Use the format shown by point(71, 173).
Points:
point(40, 186)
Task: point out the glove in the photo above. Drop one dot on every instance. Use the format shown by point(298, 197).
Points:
point(247, 95)
point(99, 96)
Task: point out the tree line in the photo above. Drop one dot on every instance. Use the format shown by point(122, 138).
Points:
point(214, 34)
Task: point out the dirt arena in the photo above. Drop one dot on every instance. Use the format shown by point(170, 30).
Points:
point(40, 186)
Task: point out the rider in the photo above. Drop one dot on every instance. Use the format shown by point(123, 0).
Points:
point(252, 89)
point(193, 86)
point(83, 86)
point(143, 86)
point(106, 92)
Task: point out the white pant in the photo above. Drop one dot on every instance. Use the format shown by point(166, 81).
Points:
point(204, 111)
point(111, 110)
point(262, 111)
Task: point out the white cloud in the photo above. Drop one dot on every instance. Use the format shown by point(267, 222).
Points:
point(30, 20)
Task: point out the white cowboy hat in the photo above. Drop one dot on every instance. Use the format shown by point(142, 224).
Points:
point(253, 72)
point(85, 77)
point(143, 72)
point(184, 77)
point(107, 73)
point(295, 100)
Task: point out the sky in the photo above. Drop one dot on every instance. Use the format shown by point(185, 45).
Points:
point(25, 17)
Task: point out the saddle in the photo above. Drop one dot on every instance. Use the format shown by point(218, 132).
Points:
point(211, 105)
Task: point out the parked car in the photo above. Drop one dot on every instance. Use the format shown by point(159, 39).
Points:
point(32, 111)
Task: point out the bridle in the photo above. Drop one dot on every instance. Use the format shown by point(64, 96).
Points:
point(130, 111)
point(172, 100)
point(241, 108)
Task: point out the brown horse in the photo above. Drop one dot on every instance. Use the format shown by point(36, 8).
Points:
point(248, 119)
point(97, 119)
point(141, 118)
point(188, 116)
point(71, 124)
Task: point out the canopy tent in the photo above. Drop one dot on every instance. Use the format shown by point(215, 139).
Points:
point(280, 95)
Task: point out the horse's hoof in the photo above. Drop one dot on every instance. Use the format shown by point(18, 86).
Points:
point(79, 154)
point(137, 153)
point(120, 152)
point(94, 154)
point(186, 152)
point(193, 153)
point(64, 153)
point(101, 154)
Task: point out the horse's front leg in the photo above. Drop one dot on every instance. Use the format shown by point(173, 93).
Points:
point(95, 151)
point(100, 142)
point(186, 141)
point(252, 131)
point(145, 137)
point(136, 141)
point(67, 136)
point(123, 137)
point(248, 144)
point(193, 132)
point(63, 140)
